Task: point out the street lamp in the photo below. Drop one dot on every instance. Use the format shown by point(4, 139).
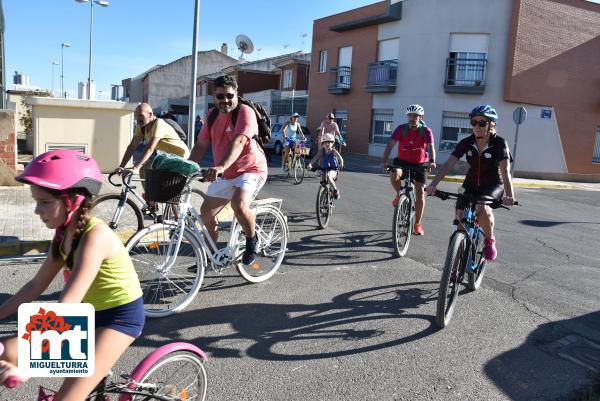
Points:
point(53, 64)
point(62, 68)
point(101, 3)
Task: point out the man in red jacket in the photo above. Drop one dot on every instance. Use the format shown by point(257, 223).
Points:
point(415, 147)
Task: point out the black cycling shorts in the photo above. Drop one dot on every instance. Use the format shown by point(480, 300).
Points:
point(494, 191)
point(417, 176)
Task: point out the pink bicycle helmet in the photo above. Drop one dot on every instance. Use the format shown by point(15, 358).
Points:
point(62, 170)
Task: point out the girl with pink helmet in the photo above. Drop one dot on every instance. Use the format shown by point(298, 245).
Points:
point(96, 267)
point(329, 160)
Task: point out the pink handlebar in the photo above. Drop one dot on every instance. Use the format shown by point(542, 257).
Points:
point(11, 382)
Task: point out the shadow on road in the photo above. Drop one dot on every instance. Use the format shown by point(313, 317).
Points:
point(337, 249)
point(546, 223)
point(352, 323)
point(544, 366)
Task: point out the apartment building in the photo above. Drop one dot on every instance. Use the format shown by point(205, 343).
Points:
point(368, 64)
point(278, 83)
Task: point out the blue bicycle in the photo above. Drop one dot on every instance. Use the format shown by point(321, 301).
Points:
point(465, 254)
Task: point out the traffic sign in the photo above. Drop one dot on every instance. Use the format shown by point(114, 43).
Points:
point(519, 115)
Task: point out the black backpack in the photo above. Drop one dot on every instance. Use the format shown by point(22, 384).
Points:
point(177, 128)
point(262, 118)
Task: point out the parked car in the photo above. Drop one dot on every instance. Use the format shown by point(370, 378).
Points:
point(276, 142)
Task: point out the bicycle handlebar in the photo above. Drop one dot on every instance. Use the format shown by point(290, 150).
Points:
point(125, 177)
point(325, 168)
point(481, 200)
point(412, 167)
point(11, 382)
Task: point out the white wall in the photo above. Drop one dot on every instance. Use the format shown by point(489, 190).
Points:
point(424, 33)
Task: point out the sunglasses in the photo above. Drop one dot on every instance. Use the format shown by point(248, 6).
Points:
point(481, 123)
point(221, 96)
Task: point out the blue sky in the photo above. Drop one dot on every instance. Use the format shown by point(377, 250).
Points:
point(131, 36)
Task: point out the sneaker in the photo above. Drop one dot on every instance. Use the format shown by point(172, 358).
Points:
point(395, 201)
point(490, 252)
point(336, 194)
point(418, 230)
point(249, 256)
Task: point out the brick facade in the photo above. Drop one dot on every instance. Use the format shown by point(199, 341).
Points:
point(357, 101)
point(556, 64)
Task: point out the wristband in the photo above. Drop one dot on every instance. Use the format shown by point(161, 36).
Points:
point(431, 161)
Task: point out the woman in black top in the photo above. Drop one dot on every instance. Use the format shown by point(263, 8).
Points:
point(489, 161)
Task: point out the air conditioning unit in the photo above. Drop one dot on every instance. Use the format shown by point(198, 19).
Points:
point(78, 147)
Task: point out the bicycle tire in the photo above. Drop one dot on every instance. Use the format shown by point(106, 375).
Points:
point(323, 206)
point(129, 222)
point(403, 223)
point(166, 293)
point(475, 279)
point(162, 374)
point(271, 228)
point(449, 284)
point(299, 169)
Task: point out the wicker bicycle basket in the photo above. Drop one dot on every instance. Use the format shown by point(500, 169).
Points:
point(303, 150)
point(164, 186)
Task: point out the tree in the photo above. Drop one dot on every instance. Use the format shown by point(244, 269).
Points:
point(26, 118)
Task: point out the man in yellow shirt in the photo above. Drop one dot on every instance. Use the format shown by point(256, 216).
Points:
point(157, 135)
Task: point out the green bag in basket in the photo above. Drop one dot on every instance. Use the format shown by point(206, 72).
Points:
point(175, 164)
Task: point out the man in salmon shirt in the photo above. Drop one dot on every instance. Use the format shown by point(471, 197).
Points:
point(415, 147)
point(237, 157)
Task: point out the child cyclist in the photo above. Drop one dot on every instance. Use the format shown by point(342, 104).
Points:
point(97, 269)
point(329, 160)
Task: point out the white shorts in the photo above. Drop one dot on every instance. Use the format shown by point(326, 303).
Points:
point(222, 188)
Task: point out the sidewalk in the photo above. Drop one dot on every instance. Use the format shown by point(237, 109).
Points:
point(23, 233)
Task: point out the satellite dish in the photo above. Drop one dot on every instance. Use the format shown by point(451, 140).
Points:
point(244, 44)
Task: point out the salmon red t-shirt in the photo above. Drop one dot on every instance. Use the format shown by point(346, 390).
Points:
point(252, 159)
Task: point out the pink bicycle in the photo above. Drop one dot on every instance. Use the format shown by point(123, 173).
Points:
point(172, 372)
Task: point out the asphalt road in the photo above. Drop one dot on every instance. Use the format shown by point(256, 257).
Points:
point(345, 320)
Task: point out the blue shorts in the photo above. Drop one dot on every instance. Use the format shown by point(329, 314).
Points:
point(290, 143)
point(128, 319)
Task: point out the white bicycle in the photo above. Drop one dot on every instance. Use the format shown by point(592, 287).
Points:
point(170, 257)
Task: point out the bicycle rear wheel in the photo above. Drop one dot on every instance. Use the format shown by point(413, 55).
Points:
point(403, 223)
point(299, 169)
point(169, 282)
point(450, 282)
point(271, 229)
point(180, 375)
point(323, 206)
point(475, 279)
point(125, 221)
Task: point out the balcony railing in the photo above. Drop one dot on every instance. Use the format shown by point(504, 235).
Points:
point(339, 79)
point(381, 76)
point(465, 75)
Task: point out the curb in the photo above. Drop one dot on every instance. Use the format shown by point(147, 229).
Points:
point(23, 248)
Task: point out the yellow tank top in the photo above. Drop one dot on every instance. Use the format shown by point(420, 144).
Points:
point(116, 283)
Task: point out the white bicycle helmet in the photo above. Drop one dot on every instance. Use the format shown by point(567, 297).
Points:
point(327, 137)
point(415, 109)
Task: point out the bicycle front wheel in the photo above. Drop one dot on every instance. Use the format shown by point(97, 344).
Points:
point(180, 375)
point(450, 282)
point(271, 229)
point(475, 278)
point(170, 277)
point(323, 206)
point(125, 221)
point(403, 223)
point(299, 169)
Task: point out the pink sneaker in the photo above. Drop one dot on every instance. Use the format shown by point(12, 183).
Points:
point(490, 251)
